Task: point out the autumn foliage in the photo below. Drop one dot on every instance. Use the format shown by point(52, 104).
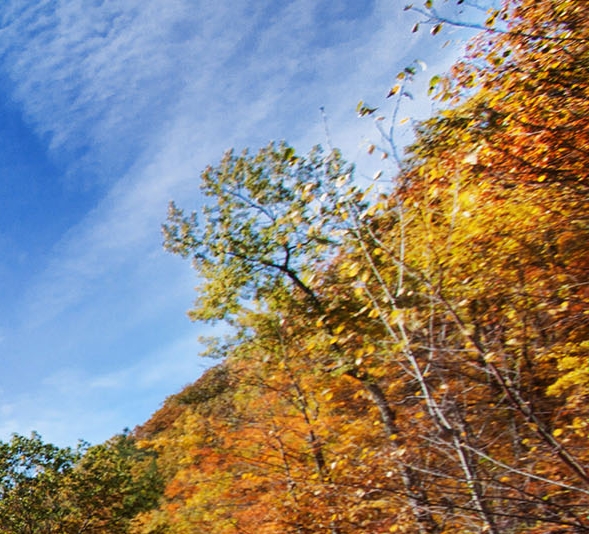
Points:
point(409, 358)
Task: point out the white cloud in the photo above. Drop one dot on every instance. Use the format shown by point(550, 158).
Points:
point(99, 78)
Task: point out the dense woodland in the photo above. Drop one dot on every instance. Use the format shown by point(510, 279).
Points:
point(408, 357)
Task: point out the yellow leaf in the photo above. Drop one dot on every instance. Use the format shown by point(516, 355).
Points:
point(490, 356)
point(557, 432)
point(370, 349)
point(339, 328)
point(353, 270)
point(396, 317)
point(394, 90)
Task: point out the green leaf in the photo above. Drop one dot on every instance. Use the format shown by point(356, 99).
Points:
point(433, 83)
point(289, 153)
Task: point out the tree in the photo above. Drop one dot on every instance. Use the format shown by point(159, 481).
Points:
point(457, 299)
point(274, 220)
point(31, 473)
point(109, 485)
point(45, 489)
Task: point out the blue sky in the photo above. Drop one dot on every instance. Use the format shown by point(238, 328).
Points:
point(108, 110)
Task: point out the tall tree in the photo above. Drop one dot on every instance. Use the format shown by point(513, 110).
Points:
point(458, 296)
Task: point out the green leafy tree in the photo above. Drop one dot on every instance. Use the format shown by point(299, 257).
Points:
point(31, 476)
point(45, 489)
point(265, 224)
point(109, 485)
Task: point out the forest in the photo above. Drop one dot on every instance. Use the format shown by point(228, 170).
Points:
point(407, 356)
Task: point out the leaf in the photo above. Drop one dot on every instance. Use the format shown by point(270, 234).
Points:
point(434, 81)
point(436, 29)
point(490, 22)
point(394, 90)
point(370, 349)
point(353, 270)
point(339, 328)
point(289, 153)
point(363, 110)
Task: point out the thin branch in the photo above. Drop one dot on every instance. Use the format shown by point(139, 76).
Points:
point(433, 17)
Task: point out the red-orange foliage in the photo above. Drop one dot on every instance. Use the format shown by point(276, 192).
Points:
point(421, 368)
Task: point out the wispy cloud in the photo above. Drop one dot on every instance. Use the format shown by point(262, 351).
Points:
point(99, 78)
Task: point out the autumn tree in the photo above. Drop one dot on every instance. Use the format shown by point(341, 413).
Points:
point(454, 300)
point(274, 220)
point(491, 233)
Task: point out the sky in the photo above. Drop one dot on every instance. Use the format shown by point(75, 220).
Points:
point(109, 109)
